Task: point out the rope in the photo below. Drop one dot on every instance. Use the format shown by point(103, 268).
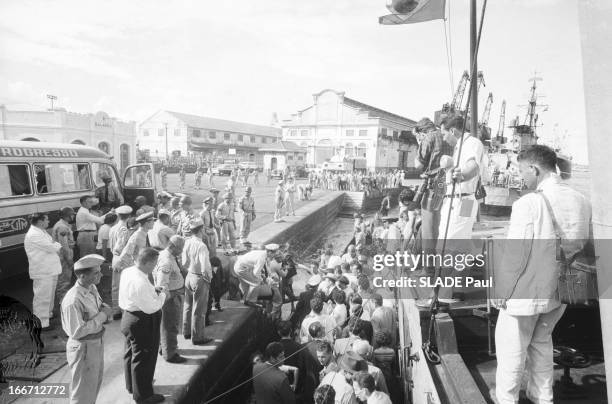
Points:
point(448, 62)
point(450, 44)
point(435, 304)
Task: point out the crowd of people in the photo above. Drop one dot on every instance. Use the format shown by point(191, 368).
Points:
point(371, 182)
point(339, 343)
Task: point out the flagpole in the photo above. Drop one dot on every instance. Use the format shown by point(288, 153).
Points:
point(474, 64)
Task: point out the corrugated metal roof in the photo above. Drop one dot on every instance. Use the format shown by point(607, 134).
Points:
point(223, 125)
point(376, 111)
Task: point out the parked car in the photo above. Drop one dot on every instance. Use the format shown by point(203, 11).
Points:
point(225, 169)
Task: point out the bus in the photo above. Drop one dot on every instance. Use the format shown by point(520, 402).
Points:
point(45, 177)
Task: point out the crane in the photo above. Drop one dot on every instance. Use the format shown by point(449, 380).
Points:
point(502, 121)
point(458, 97)
point(484, 120)
point(479, 83)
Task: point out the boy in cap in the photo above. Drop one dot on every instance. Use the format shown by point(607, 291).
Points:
point(83, 315)
point(225, 215)
point(196, 261)
point(62, 233)
point(247, 207)
point(118, 237)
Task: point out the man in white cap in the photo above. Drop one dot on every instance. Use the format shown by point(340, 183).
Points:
point(117, 239)
point(44, 267)
point(247, 207)
point(167, 274)
point(83, 316)
point(136, 243)
point(279, 199)
point(196, 261)
point(160, 234)
point(87, 226)
point(252, 273)
point(225, 216)
point(207, 214)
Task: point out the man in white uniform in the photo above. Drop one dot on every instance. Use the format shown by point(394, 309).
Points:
point(529, 304)
point(117, 239)
point(252, 273)
point(44, 267)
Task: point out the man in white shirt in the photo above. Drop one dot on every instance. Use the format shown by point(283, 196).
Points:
point(160, 234)
point(251, 271)
point(141, 303)
point(527, 294)
point(44, 267)
point(279, 200)
point(196, 261)
point(87, 226)
point(316, 315)
point(351, 255)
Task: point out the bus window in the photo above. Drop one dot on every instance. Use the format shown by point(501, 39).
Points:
point(19, 180)
point(62, 177)
point(138, 177)
point(100, 170)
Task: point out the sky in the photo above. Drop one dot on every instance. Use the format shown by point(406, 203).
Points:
point(244, 60)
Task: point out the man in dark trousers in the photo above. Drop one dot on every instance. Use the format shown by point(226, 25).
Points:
point(293, 356)
point(141, 303)
point(303, 305)
point(271, 384)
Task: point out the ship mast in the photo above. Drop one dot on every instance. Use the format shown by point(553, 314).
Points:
point(502, 121)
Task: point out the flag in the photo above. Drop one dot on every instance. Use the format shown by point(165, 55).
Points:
point(413, 11)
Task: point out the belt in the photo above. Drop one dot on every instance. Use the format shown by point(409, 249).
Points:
point(86, 231)
point(94, 336)
point(458, 195)
point(195, 273)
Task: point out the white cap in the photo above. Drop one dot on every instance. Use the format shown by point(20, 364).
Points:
point(89, 261)
point(124, 210)
point(272, 247)
point(314, 280)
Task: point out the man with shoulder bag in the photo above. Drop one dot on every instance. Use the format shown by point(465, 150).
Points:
point(546, 225)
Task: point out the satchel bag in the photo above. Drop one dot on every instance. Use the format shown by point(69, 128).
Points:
point(481, 192)
point(577, 282)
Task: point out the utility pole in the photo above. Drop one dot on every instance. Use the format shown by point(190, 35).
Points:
point(52, 98)
point(473, 63)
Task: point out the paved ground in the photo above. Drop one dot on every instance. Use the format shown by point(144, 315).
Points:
point(263, 194)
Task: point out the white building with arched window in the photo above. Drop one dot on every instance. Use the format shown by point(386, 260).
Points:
point(336, 125)
point(114, 137)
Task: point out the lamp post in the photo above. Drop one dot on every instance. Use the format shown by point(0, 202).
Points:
point(51, 98)
point(167, 156)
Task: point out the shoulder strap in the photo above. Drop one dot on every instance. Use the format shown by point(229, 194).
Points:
point(558, 231)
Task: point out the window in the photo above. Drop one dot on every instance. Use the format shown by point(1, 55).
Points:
point(383, 131)
point(177, 132)
point(363, 132)
point(61, 177)
point(104, 147)
point(196, 133)
point(361, 150)
point(300, 157)
point(226, 136)
point(19, 180)
point(241, 138)
point(161, 132)
point(350, 132)
point(145, 132)
point(212, 135)
point(252, 139)
point(77, 141)
point(289, 157)
point(264, 139)
point(124, 156)
point(304, 132)
point(348, 150)
point(138, 177)
point(293, 132)
point(98, 169)
point(395, 133)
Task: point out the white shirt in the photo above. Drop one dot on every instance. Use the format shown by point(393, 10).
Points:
point(103, 234)
point(344, 391)
point(334, 261)
point(85, 220)
point(196, 257)
point(339, 314)
point(253, 261)
point(159, 235)
point(326, 321)
point(472, 150)
point(137, 293)
point(530, 219)
point(378, 397)
point(42, 252)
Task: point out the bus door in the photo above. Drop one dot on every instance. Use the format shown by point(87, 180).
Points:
point(139, 179)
